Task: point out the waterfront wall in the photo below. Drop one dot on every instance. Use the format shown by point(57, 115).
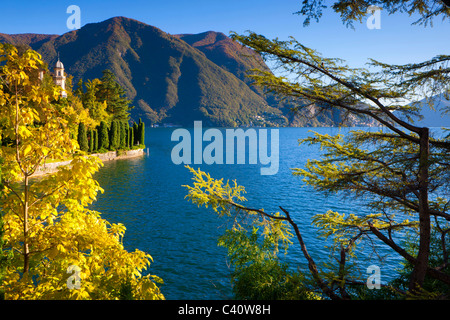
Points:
point(107, 156)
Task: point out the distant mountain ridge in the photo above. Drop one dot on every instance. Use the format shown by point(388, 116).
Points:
point(435, 117)
point(172, 79)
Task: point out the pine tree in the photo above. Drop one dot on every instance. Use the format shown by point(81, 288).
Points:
point(111, 92)
point(398, 169)
point(103, 136)
point(82, 137)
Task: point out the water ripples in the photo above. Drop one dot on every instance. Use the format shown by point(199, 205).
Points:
point(146, 195)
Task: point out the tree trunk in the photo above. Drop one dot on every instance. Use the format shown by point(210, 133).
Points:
point(26, 249)
point(420, 268)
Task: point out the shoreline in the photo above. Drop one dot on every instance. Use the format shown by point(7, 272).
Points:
point(52, 167)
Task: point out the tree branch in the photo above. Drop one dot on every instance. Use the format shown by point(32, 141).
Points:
point(436, 274)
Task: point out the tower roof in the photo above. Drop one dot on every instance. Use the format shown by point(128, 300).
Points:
point(59, 64)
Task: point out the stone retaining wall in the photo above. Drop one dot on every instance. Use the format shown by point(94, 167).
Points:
point(108, 156)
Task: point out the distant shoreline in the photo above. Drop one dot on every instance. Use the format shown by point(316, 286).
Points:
point(52, 167)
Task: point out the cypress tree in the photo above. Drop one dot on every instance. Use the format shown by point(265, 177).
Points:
point(141, 133)
point(125, 131)
point(135, 133)
point(103, 136)
point(130, 137)
point(91, 140)
point(95, 140)
point(114, 135)
point(118, 134)
point(122, 135)
point(82, 137)
point(139, 130)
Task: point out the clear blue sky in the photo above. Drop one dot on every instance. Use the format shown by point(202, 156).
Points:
point(396, 42)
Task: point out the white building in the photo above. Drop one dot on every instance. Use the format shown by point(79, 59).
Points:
point(59, 77)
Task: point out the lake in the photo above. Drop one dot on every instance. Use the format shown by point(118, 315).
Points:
point(146, 195)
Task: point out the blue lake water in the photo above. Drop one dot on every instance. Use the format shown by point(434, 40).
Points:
point(146, 195)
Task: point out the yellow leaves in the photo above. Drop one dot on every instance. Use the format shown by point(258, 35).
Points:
point(85, 240)
point(61, 231)
point(24, 132)
point(45, 151)
point(27, 150)
point(208, 191)
point(60, 248)
point(223, 197)
point(52, 253)
point(342, 228)
point(22, 75)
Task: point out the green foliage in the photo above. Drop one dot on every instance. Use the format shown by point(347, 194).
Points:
point(131, 137)
point(126, 291)
point(106, 102)
point(95, 135)
point(168, 79)
point(49, 226)
point(426, 11)
point(114, 135)
point(141, 132)
point(253, 240)
point(431, 288)
point(91, 140)
point(135, 134)
point(97, 108)
point(258, 272)
point(397, 173)
point(103, 136)
point(109, 91)
point(82, 138)
point(400, 174)
point(124, 128)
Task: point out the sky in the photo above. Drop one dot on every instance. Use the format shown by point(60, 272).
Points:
point(397, 41)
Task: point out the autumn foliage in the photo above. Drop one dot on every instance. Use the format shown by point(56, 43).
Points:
point(48, 227)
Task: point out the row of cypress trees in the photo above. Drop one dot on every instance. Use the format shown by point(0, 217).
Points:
point(118, 136)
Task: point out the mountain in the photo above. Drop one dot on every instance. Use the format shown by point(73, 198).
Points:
point(171, 78)
point(226, 53)
point(167, 79)
point(434, 117)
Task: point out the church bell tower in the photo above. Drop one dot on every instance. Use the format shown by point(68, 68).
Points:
point(59, 77)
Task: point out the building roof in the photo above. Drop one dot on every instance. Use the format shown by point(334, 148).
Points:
point(59, 64)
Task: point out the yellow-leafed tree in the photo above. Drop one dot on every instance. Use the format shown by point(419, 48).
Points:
point(60, 249)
